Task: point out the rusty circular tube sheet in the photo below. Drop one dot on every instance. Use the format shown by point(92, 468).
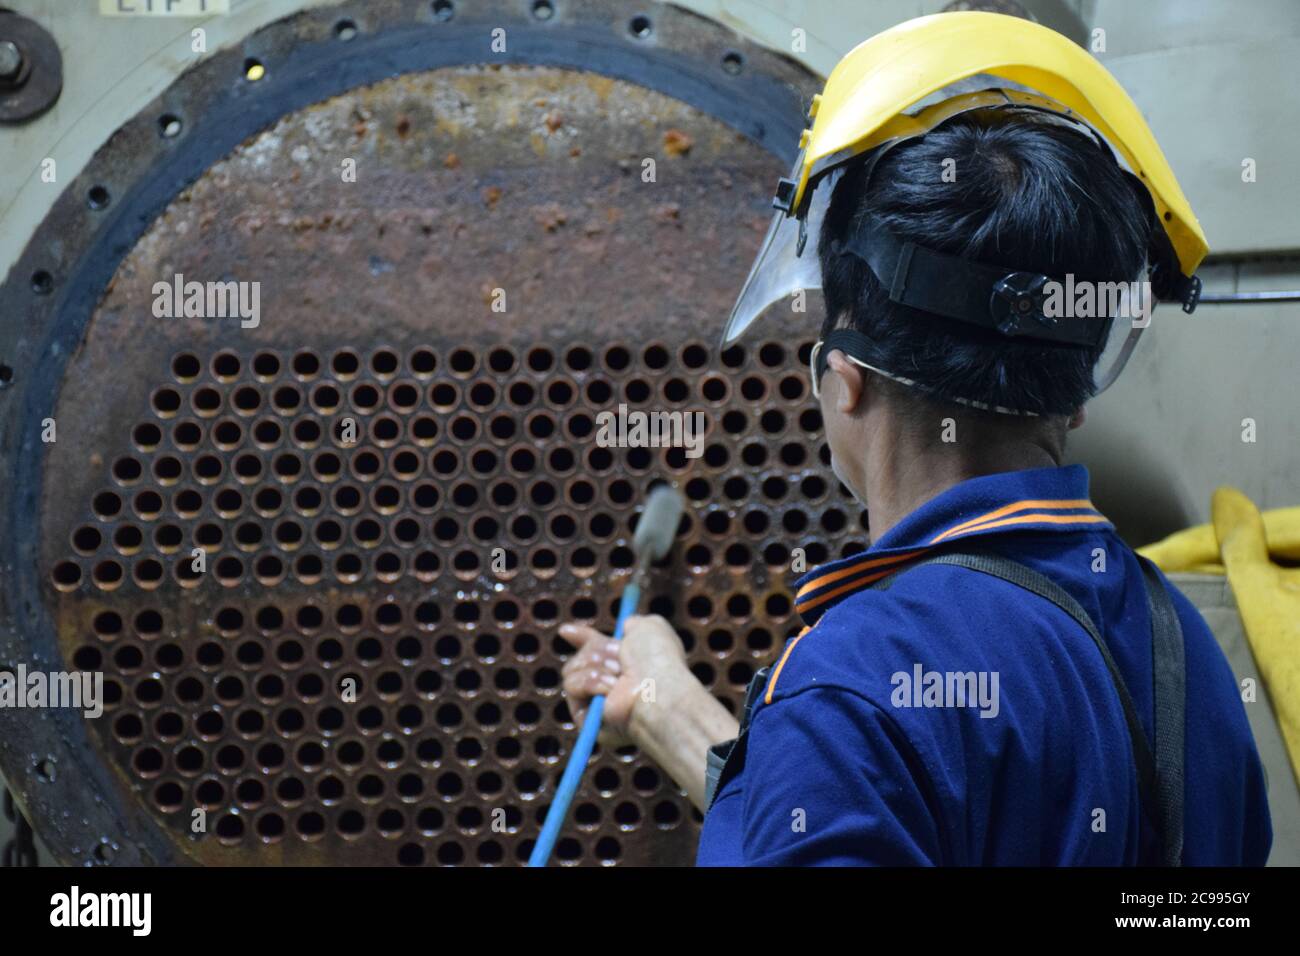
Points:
point(358, 566)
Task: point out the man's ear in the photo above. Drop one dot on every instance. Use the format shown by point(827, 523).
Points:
point(851, 381)
point(1079, 417)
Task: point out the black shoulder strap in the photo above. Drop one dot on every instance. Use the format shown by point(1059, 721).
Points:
point(1160, 779)
point(1169, 674)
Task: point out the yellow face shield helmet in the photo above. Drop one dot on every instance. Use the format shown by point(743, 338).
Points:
point(906, 81)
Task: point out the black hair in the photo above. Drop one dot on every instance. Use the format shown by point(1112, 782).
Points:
point(1029, 193)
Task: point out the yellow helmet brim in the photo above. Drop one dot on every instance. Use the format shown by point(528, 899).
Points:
point(870, 89)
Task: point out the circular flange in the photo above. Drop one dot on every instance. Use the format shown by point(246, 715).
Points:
point(75, 799)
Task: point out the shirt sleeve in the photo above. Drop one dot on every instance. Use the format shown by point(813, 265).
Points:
point(830, 780)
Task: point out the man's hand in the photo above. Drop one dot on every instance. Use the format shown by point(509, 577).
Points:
point(650, 651)
point(651, 697)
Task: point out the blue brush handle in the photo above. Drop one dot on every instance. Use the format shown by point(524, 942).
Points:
point(586, 742)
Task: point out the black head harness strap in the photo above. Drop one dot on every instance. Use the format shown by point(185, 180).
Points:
point(991, 297)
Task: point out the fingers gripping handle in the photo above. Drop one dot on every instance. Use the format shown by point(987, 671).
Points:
point(582, 749)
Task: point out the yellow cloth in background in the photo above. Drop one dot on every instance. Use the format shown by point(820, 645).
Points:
point(1196, 549)
point(1243, 544)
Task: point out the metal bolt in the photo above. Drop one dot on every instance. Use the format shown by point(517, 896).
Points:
point(11, 60)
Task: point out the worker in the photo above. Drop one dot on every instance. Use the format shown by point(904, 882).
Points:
point(998, 679)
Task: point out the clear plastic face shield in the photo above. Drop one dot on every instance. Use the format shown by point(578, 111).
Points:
point(787, 263)
point(1134, 306)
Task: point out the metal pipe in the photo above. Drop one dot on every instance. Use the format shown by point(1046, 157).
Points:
point(1231, 298)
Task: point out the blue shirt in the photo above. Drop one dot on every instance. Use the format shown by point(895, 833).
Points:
point(857, 754)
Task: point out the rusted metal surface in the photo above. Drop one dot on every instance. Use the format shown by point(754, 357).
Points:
point(329, 561)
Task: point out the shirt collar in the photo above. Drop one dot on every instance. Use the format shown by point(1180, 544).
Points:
point(1038, 499)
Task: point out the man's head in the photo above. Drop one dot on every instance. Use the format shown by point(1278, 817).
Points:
point(1021, 191)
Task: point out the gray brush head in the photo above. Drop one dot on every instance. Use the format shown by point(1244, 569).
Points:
point(658, 525)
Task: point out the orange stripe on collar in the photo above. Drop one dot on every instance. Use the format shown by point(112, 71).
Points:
point(867, 570)
point(846, 588)
point(1027, 519)
point(1011, 508)
point(839, 575)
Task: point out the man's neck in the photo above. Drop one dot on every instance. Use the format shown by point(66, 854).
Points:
point(900, 483)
